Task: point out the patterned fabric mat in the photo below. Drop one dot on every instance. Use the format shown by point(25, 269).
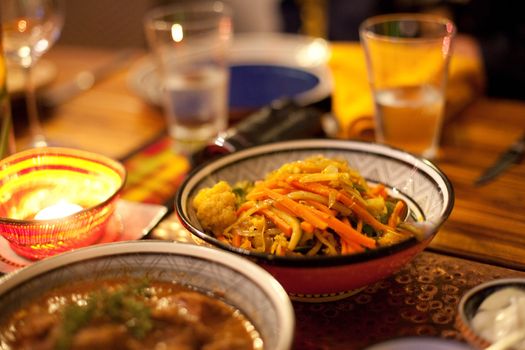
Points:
point(154, 173)
point(420, 300)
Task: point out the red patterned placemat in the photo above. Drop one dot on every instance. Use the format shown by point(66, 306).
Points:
point(419, 300)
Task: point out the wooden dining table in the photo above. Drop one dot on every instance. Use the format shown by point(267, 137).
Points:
point(483, 239)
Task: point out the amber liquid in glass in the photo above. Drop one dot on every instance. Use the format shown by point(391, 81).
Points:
point(410, 118)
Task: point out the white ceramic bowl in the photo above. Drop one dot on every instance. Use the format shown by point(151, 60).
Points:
point(242, 284)
point(426, 190)
point(419, 343)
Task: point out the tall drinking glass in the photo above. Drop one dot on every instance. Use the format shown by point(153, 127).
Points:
point(407, 59)
point(30, 28)
point(190, 42)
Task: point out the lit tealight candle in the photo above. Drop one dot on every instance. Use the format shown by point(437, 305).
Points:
point(58, 210)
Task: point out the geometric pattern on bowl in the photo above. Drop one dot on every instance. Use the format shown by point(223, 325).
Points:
point(427, 191)
point(391, 171)
point(243, 285)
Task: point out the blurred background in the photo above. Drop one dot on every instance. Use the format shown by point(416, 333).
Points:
point(119, 23)
point(494, 30)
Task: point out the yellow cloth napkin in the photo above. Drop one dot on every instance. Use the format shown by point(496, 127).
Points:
point(352, 99)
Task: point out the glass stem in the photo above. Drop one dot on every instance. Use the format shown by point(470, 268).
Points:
point(35, 128)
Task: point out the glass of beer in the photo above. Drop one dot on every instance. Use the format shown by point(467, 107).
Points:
point(407, 58)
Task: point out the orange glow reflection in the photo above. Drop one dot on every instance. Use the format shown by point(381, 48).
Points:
point(22, 25)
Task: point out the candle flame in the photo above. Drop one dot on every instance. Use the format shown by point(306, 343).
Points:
point(177, 33)
point(22, 25)
point(58, 210)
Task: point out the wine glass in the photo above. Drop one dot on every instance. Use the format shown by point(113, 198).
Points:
point(30, 28)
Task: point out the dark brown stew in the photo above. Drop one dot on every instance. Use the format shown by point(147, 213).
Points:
point(123, 314)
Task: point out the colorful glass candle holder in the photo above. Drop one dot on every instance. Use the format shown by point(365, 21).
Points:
point(56, 199)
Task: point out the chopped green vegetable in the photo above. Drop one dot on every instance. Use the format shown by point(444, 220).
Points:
point(360, 188)
point(75, 317)
point(369, 231)
point(389, 208)
point(240, 189)
point(120, 306)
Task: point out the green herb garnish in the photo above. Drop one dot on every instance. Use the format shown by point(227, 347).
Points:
point(122, 305)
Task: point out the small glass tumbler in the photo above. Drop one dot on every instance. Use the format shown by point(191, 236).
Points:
point(190, 42)
point(407, 58)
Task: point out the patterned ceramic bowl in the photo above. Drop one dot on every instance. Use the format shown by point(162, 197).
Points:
point(241, 284)
point(426, 190)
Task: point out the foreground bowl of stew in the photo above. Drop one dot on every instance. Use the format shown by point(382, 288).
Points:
point(425, 192)
point(138, 295)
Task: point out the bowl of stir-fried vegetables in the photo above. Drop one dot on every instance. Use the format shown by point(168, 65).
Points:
point(325, 217)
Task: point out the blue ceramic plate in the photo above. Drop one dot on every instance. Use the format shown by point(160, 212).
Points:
point(264, 67)
point(253, 86)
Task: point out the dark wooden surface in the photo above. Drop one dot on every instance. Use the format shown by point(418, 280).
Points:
point(488, 222)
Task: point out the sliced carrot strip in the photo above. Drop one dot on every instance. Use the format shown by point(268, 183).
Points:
point(353, 247)
point(245, 206)
point(282, 208)
point(236, 240)
point(246, 243)
point(297, 209)
point(344, 247)
point(346, 200)
point(321, 207)
point(316, 187)
point(277, 184)
point(256, 195)
point(363, 213)
point(347, 232)
point(394, 217)
point(280, 223)
point(307, 227)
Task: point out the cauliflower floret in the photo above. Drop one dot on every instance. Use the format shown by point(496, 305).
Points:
point(215, 207)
